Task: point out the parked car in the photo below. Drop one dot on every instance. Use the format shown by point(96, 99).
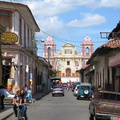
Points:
point(76, 90)
point(10, 95)
point(64, 84)
point(58, 90)
point(85, 91)
point(74, 85)
point(105, 106)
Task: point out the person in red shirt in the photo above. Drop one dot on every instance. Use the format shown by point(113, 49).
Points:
point(68, 86)
point(59, 82)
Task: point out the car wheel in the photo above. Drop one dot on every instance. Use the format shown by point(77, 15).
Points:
point(52, 94)
point(63, 95)
point(77, 98)
point(97, 118)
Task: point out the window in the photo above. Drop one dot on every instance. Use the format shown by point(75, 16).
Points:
point(68, 62)
point(68, 51)
point(87, 50)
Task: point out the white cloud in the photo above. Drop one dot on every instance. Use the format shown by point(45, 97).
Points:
point(88, 21)
point(108, 3)
point(51, 25)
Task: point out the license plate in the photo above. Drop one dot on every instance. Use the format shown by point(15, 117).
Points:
point(82, 96)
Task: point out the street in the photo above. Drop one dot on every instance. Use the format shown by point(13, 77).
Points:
point(58, 108)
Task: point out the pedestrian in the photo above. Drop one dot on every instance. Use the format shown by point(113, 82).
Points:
point(22, 96)
point(68, 86)
point(59, 82)
point(26, 89)
point(15, 102)
point(19, 101)
point(29, 95)
point(3, 94)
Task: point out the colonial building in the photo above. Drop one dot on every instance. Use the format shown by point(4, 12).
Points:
point(21, 65)
point(68, 60)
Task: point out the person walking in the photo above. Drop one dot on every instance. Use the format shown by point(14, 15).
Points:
point(19, 100)
point(68, 86)
point(29, 95)
point(3, 94)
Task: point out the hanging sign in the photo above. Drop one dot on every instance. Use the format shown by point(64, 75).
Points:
point(9, 38)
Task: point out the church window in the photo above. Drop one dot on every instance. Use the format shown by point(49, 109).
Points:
point(87, 50)
point(68, 51)
point(68, 62)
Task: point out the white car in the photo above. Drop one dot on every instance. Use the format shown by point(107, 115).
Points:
point(58, 90)
point(76, 90)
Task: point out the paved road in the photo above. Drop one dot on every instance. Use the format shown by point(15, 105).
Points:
point(58, 108)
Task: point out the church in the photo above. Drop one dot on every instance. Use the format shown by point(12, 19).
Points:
point(68, 60)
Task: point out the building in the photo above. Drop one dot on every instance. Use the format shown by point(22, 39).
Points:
point(68, 60)
point(2, 30)
point(21, 65)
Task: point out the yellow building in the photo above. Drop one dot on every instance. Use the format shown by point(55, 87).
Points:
point(68, 60)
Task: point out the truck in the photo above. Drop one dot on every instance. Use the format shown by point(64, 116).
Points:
point(105, 106)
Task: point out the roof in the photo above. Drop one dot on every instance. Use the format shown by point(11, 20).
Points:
point(87, 40)
point(49, 40)
point(115, 34)
point(68, 45)
point(105, 48)
point(23, 10)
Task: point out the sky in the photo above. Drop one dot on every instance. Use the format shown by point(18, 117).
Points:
point(73, 20)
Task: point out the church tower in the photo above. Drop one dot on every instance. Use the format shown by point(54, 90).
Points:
point(50, 50)
point(87, 47)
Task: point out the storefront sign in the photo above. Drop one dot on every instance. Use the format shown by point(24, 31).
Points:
point(115, 60)
point(9, 38)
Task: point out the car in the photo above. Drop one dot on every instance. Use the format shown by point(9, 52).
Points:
point(64, 84)
point(8, 99)
point(76, 90)
point(58, 90)
point(85, 91)
point(74, 85)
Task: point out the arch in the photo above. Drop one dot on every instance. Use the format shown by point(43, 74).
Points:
point(68, 72)
point(87, 50)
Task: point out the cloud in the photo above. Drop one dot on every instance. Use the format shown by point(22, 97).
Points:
point(88, 21)
point(51, 25)
point(108, 3)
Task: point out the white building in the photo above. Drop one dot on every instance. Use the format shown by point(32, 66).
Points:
point(68, 60)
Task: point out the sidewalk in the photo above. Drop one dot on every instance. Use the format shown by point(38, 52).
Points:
point(8, 111)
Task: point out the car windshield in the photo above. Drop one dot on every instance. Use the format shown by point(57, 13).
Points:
point(85, 87)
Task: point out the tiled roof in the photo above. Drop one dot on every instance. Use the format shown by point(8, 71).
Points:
point(105, 48)
point(111, 44)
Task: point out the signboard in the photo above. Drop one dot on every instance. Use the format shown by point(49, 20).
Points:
point(9, 38)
